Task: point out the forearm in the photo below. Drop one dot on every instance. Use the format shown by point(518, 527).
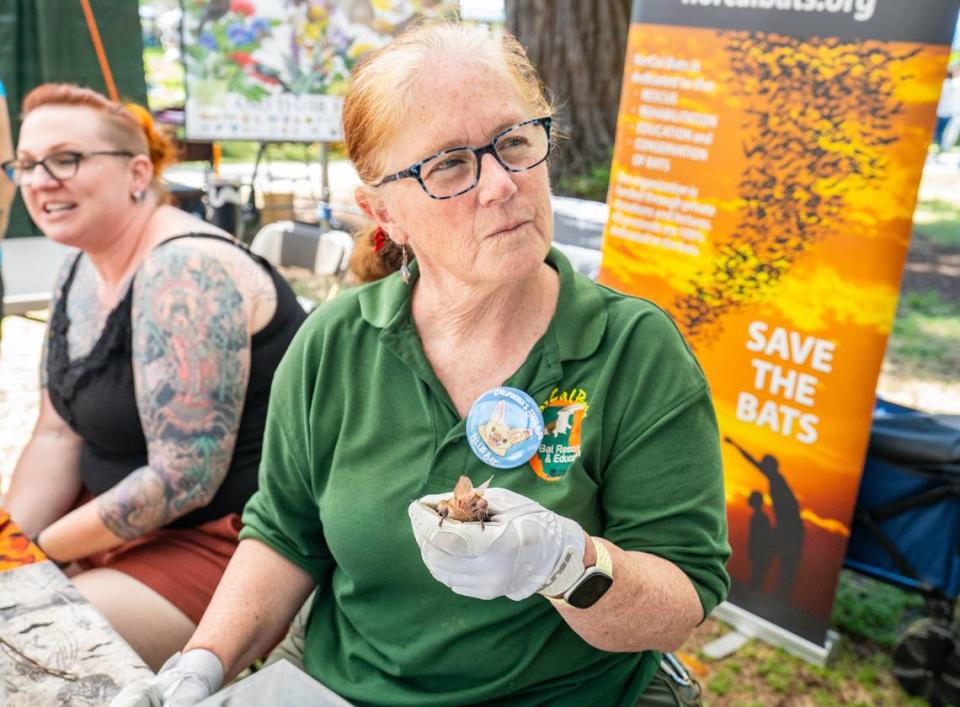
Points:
point(253, 606)
point(152, 497)
point(144, 501)
point(46, 481)
point(651, 605)
point(78, 534)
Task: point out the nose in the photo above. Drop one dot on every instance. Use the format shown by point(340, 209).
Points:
point(39, 178)
point(496, 183)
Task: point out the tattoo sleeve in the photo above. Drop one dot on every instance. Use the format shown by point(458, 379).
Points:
point(191, 361)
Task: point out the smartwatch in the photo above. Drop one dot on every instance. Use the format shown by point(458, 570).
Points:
point(578, 586)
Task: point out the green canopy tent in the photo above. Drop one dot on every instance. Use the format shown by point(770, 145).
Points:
point(50, 40)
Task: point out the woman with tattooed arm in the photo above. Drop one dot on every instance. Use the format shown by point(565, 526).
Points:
point(164, 336)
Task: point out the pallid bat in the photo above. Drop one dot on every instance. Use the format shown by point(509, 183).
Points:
point(467, 504)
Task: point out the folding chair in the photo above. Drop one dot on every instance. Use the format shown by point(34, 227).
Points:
point(293, 244)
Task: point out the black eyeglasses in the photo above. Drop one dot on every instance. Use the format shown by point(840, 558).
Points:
point(456, 170)
point(59, 165)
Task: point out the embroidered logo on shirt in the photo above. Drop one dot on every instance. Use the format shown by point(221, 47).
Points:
point(563, 413)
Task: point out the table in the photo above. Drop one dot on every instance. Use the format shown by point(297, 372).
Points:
point(30, 267)
point(55, 648)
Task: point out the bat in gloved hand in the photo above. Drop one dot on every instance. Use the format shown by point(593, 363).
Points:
point(467, 503)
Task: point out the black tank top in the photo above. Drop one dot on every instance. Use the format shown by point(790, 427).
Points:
point(95, 395)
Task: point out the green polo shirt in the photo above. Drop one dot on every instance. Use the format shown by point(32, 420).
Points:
point(359, 425)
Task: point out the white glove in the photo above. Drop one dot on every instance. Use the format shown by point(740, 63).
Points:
point(183, 681)
point(515, 554)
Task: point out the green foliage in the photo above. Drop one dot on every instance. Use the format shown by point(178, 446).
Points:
point(592, 185)
point(246, 151)
point(873, 610)
point(940, 220)
point(723, 682)
point(925, 340)
point(778, 671)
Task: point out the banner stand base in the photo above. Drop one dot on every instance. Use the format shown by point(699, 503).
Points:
point(756, 627)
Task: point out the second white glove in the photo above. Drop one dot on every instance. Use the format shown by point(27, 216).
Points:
point(183, 681)
point(514, 554)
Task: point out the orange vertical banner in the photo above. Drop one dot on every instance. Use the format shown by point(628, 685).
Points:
point(765, 173)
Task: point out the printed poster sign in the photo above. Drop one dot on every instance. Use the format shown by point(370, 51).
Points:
point(767, 162)
point(277, 70)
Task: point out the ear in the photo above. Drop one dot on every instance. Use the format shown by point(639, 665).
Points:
point(371, 202)
point(499, 412)
point(483, 487)
point(141, 172)
point(463, 488)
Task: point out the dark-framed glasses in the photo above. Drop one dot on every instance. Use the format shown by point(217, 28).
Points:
point(456, 170)
point(59, 165)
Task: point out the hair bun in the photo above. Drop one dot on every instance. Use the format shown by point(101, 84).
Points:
point(162, 151)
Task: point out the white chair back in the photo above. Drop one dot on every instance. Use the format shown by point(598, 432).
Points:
point(290, 244)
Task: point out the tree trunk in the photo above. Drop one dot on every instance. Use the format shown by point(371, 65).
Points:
point(578, 48)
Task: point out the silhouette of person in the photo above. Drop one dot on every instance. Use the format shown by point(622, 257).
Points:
point(789, 530)
point(761, 542)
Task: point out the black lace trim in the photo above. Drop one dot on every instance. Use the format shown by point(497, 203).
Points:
point(65, 377)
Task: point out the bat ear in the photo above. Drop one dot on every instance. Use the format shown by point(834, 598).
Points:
point(483, 486)
point(499, 412)
point(464, 487)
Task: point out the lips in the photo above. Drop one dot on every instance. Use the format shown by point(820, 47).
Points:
point(509, 229)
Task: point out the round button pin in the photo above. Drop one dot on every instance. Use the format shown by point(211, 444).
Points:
point(504, 427)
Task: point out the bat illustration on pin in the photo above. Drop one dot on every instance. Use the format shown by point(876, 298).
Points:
point(467, 503)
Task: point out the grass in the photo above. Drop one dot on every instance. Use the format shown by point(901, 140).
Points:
point(938, 219)
point(925, 341)
point(872, 610)
point(870, 616)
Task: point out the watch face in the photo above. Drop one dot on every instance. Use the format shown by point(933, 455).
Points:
point(590, 589)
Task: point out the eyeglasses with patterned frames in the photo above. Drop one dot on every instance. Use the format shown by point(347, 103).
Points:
point(59, 165)
point(456, 170)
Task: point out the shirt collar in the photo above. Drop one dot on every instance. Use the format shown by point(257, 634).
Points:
point(577, 325)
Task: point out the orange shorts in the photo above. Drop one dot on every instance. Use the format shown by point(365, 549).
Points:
point(182, 565)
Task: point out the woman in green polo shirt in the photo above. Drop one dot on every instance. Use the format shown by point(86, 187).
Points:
point(604, 543)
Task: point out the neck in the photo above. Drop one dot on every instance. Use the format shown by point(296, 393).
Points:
point(462, 313)
point(116, 259)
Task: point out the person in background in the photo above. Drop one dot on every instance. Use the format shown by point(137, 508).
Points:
point(603, 545)
point(948, 111)
point(163, 341)
point(7, 190)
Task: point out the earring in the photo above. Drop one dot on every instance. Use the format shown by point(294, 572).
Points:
point(138, 196)
point(379, 240)
point(404, 270)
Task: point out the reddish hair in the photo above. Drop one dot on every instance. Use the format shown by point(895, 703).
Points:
point(126, 126)
point(376, 105)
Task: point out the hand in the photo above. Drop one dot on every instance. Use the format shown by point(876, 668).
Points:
point(184, 680)
point(515, 554)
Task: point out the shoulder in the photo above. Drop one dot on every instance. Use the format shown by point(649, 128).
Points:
point(333, 343)
point(177, 259)
point(177, 280)
point(335, 327)
point(69, 264)
point(642, 344)
point(635, 322)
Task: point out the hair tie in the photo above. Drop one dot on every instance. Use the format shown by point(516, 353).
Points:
point(379, 240)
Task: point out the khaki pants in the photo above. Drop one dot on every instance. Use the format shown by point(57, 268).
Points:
point(663, 690)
